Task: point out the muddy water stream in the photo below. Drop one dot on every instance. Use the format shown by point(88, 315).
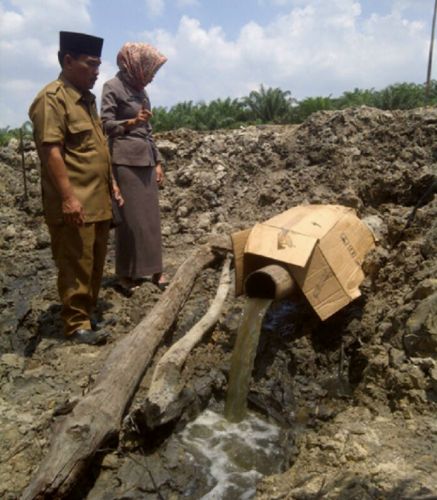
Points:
point(235, 451)
point(243, 357)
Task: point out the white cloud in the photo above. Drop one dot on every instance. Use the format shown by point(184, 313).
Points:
point(313, 48)
point(155, 8)
point(187, 3)
point(106, 71)
point(43, 17)
point(28, 47)
point(420, 6)
point(316, 48)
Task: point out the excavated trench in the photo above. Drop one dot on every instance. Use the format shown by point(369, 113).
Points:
point(346, 405)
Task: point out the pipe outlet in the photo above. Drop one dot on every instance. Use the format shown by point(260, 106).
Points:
point(270, 282)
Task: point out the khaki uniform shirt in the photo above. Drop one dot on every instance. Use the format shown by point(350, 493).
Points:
point(61, 114)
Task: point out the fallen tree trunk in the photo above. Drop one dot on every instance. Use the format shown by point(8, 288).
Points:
point(98, 415)
point(161, 403)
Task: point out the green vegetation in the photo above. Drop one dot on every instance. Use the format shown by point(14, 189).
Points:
point(217, 114)
point(7, 133)
point(269, 105)
point(273, 105)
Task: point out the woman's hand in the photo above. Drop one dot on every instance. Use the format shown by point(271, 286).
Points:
point(143, 116)
point(159, 175)
point(117, 194)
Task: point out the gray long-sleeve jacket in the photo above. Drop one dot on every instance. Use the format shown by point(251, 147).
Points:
point(133, 147)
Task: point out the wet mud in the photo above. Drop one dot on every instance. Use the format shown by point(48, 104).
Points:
point(354, 397)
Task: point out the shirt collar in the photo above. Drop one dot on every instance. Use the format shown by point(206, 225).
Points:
point(76, 94)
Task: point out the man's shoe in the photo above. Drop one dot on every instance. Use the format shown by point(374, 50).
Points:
point(125, 290)
point(91, 337)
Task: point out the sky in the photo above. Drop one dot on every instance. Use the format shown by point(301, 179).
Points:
point(221, 48)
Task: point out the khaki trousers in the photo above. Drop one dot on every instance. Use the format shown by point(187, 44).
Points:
point(79, 254)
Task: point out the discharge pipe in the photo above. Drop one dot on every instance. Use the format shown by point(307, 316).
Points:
point(270, 282)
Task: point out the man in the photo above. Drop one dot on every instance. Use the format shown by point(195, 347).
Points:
point(76, 181)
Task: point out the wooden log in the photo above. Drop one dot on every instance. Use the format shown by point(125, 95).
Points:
point(161, 402)
point(98, 415)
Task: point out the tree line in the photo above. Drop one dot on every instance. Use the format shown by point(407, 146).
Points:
point(273, 105)
point(270, 105)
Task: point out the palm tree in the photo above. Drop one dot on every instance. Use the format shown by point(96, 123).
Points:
point(310, 105)
point(400, 96)
point(357, 97)
point(269, 105)
point(5, 135)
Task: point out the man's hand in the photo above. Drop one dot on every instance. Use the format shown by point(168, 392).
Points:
point(73, 212)
point(159, 175)
point(72, 209)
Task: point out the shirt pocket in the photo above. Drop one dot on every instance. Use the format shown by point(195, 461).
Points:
point(80, 136)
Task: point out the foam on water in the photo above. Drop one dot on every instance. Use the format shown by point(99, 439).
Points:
point(234, 456)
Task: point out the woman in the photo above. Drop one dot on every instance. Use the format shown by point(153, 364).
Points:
point(125, 114)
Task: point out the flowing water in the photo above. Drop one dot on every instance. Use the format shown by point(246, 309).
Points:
point(243, 357)
point(232, 456)
point(235, 451)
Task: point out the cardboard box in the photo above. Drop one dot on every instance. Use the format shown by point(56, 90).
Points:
point(323, 246)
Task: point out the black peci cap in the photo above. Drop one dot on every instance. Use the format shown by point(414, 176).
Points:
point(79, 43)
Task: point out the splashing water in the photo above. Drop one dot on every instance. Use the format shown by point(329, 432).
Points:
point(233, 456)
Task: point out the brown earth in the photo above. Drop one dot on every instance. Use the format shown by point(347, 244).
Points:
point(355, 395)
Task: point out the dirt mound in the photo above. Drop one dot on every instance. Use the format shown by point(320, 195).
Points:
point(359, 388)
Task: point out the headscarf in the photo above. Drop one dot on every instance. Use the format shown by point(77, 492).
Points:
point(139, 62)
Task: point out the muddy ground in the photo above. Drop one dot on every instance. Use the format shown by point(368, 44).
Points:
point(355, 395)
